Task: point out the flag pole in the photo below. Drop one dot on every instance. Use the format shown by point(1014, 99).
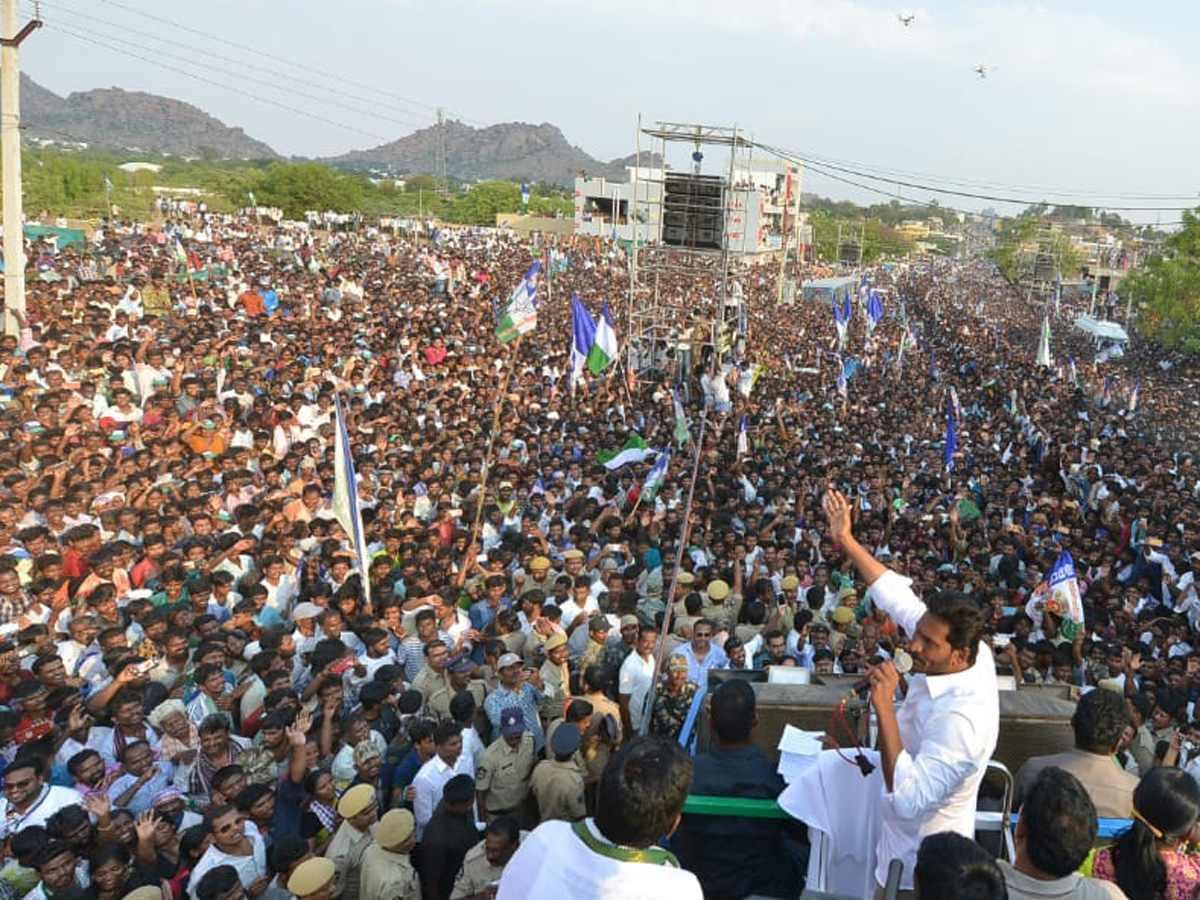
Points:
point(487, 456)
point(660, 654)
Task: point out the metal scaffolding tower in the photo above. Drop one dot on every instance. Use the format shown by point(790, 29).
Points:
point(684, 301)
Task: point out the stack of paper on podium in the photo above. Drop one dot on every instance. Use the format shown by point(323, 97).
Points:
point(798, 751)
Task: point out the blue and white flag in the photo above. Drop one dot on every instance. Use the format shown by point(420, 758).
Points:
point(1043, 351)
point(951, 437)
point(842, 382)
point(525, 196)
point(520, 314)
point(1106, 395)
point(1072, 375)
point(345, 491)
point(656, 476)
point(841, 318)
point(743, 439)
point(1135, 395)
point(583, 335)
point(874, 308)
point(1058, 593)
point(955, 406)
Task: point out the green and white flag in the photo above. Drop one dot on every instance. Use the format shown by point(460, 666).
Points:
point(604, 347)
point(634, 451)
point(520, 313)
point(682, 435)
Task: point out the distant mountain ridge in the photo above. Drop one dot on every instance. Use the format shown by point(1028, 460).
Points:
point(516, 151)
point(116, 119)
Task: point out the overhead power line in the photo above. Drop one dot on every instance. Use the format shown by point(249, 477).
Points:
point(258, 51)
point(887, 173)
point(88, 39)
point(993, 198)
point(406, 116)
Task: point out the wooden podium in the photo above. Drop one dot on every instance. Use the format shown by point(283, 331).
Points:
point(1032, 723)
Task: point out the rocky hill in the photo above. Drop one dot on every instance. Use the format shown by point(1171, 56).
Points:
point(513, 150)
point(115, 119)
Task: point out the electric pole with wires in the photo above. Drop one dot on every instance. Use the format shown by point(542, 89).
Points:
point(10, 159)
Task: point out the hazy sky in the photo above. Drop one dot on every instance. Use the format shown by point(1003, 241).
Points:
point(1095, 100)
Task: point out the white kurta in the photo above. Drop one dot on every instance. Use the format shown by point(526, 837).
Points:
point(552, 863)
point(948, 728)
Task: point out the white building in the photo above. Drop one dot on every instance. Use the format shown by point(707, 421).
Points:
point(760, 202)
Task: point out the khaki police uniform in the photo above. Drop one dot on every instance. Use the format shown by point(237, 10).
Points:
point(385, 874)
point(558, 787)
point(477, 873)
point(503, 776)
point(436, 691)
point(346, 850)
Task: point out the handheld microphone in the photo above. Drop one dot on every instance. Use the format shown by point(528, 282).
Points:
point(901, 660)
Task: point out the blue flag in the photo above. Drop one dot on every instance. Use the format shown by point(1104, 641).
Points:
point(583, 335)
point(951, 437)
point(874, 308)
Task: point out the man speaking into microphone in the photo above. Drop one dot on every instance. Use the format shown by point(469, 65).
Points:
point(935, 750)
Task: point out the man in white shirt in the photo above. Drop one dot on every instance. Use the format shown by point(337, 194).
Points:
point(635, 680)
point(447, 761)
point(27, 800)
point(1185, 596)
point(934, 752)
point(235, 843)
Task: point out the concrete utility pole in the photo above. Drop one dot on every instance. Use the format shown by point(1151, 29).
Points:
point(10, 159)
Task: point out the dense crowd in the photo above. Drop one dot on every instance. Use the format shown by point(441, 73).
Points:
point(203, 691)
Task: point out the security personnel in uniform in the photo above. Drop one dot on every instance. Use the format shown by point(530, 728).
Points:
point(387, 871)
point(313, 880)
point(557, 783)
point(485, 862)
point(502, 778)
point(556, 676)
point(359, 809)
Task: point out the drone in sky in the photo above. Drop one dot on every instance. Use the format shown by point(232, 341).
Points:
point(906, 19)
point(983, 71)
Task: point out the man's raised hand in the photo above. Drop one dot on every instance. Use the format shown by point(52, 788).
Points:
point(840, 514)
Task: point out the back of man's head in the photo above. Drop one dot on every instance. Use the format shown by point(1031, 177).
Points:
point(1058, 821)
point(642, 791)
point(1099, 720)
point(217, 882)
point(952, 867)
point(732, 711)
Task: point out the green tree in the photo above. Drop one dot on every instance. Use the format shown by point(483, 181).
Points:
point(298, 187)
point(1166, 290)
point(481, 203)
point(1011, 239)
